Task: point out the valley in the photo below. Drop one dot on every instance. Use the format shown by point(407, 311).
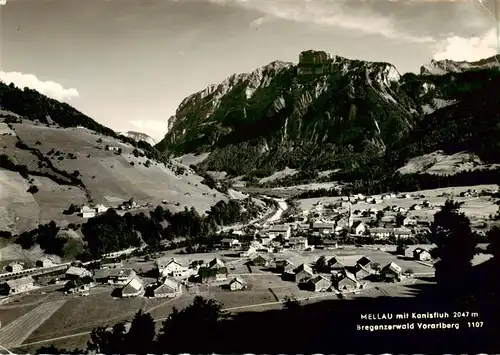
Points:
point(330, 180)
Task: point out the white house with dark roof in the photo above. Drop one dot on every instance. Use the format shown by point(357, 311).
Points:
point(45, 262)
point(421, 254)
point(358, 228)
point(170, 267)
point(167, 287)
point(347, 281)
point(303, 272)
point(324, 227)
point(402, 232)
point(391, 272)
point(14, 267)
point(87, 212)
point(237, 284)
point(279, 230)
point(319, 283)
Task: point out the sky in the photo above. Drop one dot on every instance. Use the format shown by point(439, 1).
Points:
point(129, 63)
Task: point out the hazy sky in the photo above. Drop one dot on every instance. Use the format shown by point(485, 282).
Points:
point(129, 63)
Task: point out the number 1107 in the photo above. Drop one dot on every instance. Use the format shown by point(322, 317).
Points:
point(475, 324)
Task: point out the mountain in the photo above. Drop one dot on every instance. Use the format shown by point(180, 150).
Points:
point(138, 136)
point(330, 112)
point(441, 67)
point(322, 113)
point(53, 156)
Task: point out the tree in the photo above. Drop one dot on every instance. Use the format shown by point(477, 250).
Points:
point(202, 318)
point(321, 264)
point(494, 247)
point(141, 336)
point(400, 219)
point(108, 341)
point(455, 246)
point(291, 303)
point(375, 267)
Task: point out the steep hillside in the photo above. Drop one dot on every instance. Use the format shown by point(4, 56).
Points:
point(43, 170)
point(319, 113)
point(336, 113)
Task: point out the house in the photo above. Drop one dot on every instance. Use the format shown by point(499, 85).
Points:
point(334, 264)
point(133, 288)
point(405, 250)
point(298, 243)
point(426, 204)
point(79, 285)
point(415, 207)
point(330, 244)
point(391, 272)
point(358, 228)
point(229, 243)
point(347, 281)
point(111, 265)
point(421, 254)
point(402, 232)
point(259, 260)
point(324, 227)
point(237, 284)
point(318, 283)
point(409, 222)
point(364, 261)
point(167, 287)
point(215, 270)
point(381, 232)
point(46, 262)
point(281, 264)
point(238, 232)
point(279, 230)
point(14, 267)
point(303, 272)
point(289, 271)
point(12, 287)
point(170, 267)
point(74, 273)
point(120, 277)
point(265, 240)
point(388, 219)
point(361, 272)
point(101, 208)
point(87, 212)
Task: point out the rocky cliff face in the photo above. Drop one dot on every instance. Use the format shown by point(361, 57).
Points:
point(324, 112)
point(291, 110)
point(138, 136)
point(442, 67)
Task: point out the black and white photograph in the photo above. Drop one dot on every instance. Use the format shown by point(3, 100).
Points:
point(249, 176)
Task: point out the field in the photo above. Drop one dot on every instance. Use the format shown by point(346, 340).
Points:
point(85, 313)
point(439, 163)
point(476, 208)
point(16, 332)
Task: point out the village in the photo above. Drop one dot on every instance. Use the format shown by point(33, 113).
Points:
point(308, 250)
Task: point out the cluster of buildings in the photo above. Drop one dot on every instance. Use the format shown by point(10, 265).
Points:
point(90, 212)
point(340, 277)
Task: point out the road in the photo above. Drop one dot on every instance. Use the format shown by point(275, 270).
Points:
point(281, 209)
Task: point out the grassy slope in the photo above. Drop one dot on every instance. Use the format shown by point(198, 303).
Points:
point(109, 177)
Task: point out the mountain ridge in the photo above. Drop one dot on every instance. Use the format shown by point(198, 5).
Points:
point(326, 112)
